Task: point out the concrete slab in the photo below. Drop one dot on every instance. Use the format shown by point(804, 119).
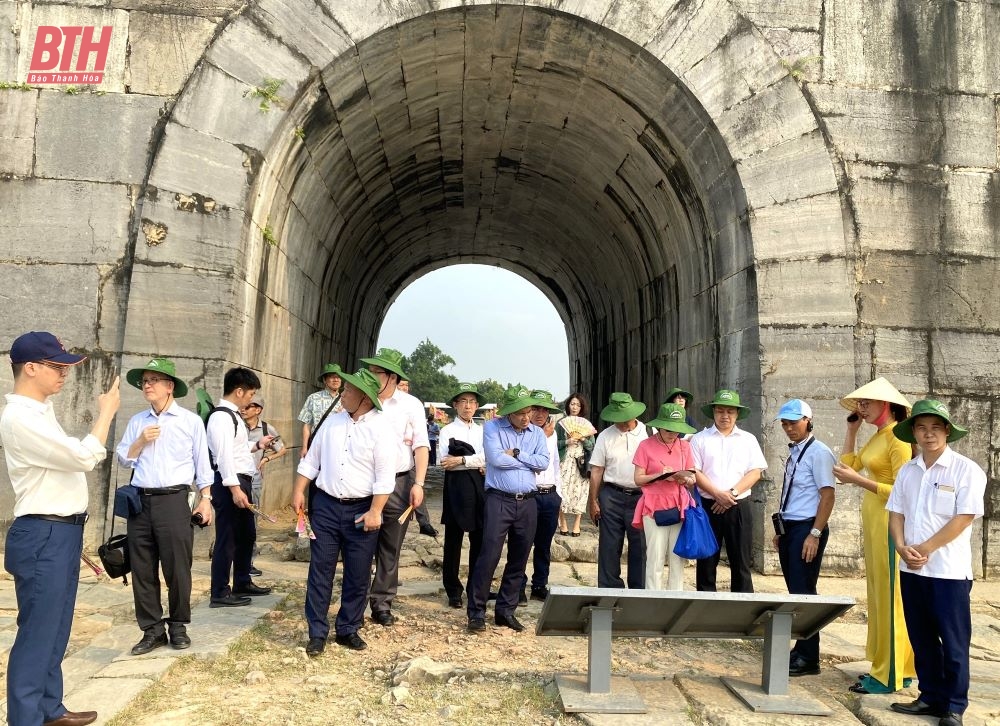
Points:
point(106, 695)
point(137, 668)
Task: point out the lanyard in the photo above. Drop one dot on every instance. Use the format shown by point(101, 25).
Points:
point(791, 477)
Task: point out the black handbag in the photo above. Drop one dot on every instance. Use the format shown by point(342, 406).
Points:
point(667, 517)
point(114, 557)
point(583, 464)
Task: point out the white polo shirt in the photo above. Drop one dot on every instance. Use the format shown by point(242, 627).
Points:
point(928, 499)
point(614, 450)
point(725, 459)
point(352, 459)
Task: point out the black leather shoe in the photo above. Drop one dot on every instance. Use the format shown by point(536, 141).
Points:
point(455, 602)
point(149, 643)
point(522, 598)
point(917, 708)
point(251, 589)
point(74, 718)
point(352, 641)
point(540, 594)
point(951, 719)
point(428, 530)
point(802, 667)
point(230, 601)
point(254, 572)
point(509, 621)
point(384, 618)
point(477, 625)
point(179, 639)
point(315, 647)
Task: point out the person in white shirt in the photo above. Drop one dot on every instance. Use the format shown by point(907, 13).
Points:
point(548, 499)
point(232, 489)
point(936, 498)
point(353, 460)
point(406, 416)
point(614, 495)
point(167, 450)
point(47, 472)
point(462, 499)
point(728, 462)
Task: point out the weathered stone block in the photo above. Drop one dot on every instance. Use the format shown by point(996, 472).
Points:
point(970, 413)
point(958, 360)
point(164, 50)
point(972, 213)
point(100, 138)
point(692, 31)
point(900, 355)
point(196, 8)
point(806, 292)
point(71, 301)
point(897, 215)
point(798, 168)
point(970, 131)
point(192, 235)
point(189, 162)
point(796, 14)
point(69, 222)
point(8, 48)
point(17, 130)
point(811, 363)
point(246, 52)
point(808, 227)
point(800, 51)
point(776, 114)
point(304, 27)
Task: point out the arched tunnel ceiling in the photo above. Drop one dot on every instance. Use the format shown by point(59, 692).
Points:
point(518, 135)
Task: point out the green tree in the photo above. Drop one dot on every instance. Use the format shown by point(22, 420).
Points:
point(428, 379)
point(492, 390)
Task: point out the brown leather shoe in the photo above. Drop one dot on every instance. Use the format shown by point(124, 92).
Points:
point(73, 718)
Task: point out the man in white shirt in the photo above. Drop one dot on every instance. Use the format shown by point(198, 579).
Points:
point(44, 542)
point(614, 495)
point(548, 499)
point(936, 498)
point(462, 498)
point(167, 450)
point(232, 456)
point(406, 416)
point(728, 462)
point(353, 460)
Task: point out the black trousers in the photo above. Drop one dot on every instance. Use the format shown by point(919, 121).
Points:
point(734, 528)
point(235, 531)
point(453, 538)
point(507, 519)
point(617, 510)
point(541, 557)
point(801, 576)
point(161, 535)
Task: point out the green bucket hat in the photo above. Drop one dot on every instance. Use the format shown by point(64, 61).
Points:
point(927, 407)
point(671, 417)
point(158, 365)
point(726, 397)
point(366, 382)
point(514, 399)
point(674, 392)
point(468, 388)
point(391, 360)
point(545, 400)
point(328, 369)
point(622, 408)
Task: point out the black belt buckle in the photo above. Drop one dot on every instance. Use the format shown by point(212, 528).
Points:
point(546, 490)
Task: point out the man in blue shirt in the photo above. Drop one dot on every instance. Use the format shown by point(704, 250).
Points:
point(516, 451)
point(800, 525)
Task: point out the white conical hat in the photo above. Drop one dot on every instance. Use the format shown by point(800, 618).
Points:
point(878, 390)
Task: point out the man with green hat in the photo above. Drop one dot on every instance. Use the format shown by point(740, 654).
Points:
point(614, 495)
point(728, 462)
point(515, 452)
point(548, 499)
point(319, 402)
point(936, 498)
point(352, 460)
point(167, 449)
point(406, 417)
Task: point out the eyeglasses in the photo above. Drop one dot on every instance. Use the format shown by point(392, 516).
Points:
point(63, 370)
point(151, 381)
point(864, 402)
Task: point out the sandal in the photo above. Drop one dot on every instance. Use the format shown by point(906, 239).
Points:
point(564, 532)
point(868, 685)
point(574, 534)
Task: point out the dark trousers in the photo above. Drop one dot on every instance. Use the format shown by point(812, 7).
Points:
point(617, 510)
point(44, 558)
point(801, 576)
point(513, 520)
point(734, 528)
point(433, 453)
point(545, 530)
point(939, 623)
point(235, 530)
point(336, 535)
point(390, 542)
point(161, 535)
point(453, 537)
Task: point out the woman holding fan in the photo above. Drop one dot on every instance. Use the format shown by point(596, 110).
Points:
point(575, 436)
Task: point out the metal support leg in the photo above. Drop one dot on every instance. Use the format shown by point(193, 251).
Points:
point(777, 635)
point(599, 650)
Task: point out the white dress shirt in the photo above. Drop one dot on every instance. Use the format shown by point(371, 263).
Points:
point(178, 456)
point(928, 499)
point(353, 459)
point(470, 433)
point(614, 450)
point(408, 421)
point(725, 459)
point(550, 476)
point(230, 445)
point(46, 467)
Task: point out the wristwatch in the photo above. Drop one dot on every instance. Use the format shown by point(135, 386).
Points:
point(734, 492)
point(517, 452)
point(207, 496)
point(815, 533)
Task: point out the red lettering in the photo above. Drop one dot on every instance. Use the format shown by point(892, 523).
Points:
point(88, 46)
point(70, 34)
point(47, 40)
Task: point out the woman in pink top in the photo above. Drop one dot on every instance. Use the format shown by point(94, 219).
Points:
point(664, 469)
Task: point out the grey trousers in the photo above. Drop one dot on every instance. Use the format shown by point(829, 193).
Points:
point(390, 542)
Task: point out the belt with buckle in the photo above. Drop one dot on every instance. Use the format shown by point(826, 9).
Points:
point(78, 519)
point(349, 500)
point(546, 490)
point(519, 496)
point(159, 491)
point(631, 491)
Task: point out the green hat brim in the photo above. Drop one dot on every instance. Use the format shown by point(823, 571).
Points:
point(545, 404)
point(523, 402)
point(904, 429)
point(613, 414)
point(325, 373)
point(391, 367)
point(680, 427)
point(359, 384)
point(134, 378)
point(709, 409)
point(480, 398)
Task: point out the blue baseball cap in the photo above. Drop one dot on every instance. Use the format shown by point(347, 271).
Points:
point(42, 346)
point(794, 410)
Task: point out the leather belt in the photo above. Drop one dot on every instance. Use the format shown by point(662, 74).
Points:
point(349, 500)
point(78, 519)
point(631, 491)
point(546, 490)
point(519, 497)
point(159, 491)
point(402, 473)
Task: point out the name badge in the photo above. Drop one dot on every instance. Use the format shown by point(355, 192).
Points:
point(946, 488)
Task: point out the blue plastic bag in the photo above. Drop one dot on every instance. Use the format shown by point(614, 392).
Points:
point(696, 539)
